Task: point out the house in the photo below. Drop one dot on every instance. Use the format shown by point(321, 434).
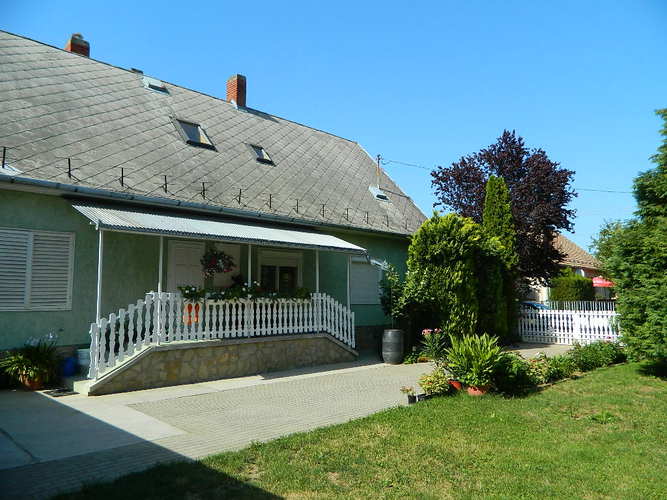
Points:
point(115, 184)
point(582, 263)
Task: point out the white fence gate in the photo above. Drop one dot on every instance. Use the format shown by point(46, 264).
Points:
point(562, 326)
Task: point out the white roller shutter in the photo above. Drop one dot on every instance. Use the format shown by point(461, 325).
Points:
point(36, 270)
point(365, 283)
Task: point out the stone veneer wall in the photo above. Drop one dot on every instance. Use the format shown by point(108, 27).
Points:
point(186, 363)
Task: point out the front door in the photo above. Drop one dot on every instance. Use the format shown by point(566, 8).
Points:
point(184, 266)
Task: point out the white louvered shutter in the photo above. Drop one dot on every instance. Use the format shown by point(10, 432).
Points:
point(36, 270)
point(14, 270)
point(51, 273)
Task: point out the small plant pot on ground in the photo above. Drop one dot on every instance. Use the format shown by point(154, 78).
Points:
point(477, 390)
point(456, 384)
point(412, 399)
point(31, 384)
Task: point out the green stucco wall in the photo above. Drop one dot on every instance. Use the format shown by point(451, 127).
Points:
point(49, 213)
point(333, 269)
point(131, 269)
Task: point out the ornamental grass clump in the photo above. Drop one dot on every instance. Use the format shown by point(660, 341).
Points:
point(32, 365)
point(434, 344)
point(472, 359)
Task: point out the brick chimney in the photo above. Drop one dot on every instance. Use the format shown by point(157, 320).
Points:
point(78, 45)
point(236, 89)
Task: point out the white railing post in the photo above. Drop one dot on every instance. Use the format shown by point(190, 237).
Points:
point(94, 350)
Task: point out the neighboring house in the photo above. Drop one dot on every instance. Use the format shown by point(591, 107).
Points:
point(110, 176)
point(579, 260)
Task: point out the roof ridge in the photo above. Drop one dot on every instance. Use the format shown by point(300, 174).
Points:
point(240, 108)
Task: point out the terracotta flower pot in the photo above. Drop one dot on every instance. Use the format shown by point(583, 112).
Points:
point(455, 384)
point(32, 384)
point(478, 390)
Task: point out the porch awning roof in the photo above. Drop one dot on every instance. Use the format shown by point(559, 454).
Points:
point(145, 221)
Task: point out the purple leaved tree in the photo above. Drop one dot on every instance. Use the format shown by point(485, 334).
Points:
point(539, 189)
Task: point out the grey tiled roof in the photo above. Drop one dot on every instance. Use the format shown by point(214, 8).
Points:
point(56, 105)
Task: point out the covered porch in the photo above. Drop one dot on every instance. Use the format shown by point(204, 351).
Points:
point(284, 267)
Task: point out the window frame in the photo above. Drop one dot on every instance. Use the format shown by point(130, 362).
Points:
point(266, 161)
point(150, 84)
point(380, 266)
point(27, 304)
point(281, 259)
point(177, 123)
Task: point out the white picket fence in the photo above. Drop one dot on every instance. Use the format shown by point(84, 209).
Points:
point(559, 326)
point(167, 317)
point(581, 305)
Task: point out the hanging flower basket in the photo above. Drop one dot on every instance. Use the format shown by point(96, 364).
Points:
point(215, 261)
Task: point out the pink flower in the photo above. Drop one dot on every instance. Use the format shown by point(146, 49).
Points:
point(427, 331)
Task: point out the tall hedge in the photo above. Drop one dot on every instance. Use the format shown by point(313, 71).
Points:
point(501, 304)
point(571, 286)
point(634, 255)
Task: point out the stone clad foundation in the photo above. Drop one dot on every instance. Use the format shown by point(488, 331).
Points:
point(189, 362)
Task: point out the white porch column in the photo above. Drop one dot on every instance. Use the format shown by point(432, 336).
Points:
point(100, 255)
point(349, 262)
point(249, 264)
point(158, 326)
point(317, 271)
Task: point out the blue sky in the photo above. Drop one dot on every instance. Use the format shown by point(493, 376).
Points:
point(422, 83)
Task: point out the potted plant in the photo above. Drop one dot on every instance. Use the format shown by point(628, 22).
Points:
point(472, 360)
point(410, 391)
point(32, 365)
point(192, 296)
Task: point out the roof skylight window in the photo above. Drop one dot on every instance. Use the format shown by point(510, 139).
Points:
point(155, 85)
point(261, 155)
point(378, 194)
point(194, 134)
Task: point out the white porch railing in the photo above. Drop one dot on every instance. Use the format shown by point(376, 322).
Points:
point(167, 317)
point(567, 327)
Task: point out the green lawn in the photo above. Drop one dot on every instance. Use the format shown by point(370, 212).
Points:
point(601, 436)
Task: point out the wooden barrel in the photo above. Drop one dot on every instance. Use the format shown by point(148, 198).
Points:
point(392, 346)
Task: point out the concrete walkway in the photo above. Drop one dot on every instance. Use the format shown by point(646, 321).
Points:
point(49, 445)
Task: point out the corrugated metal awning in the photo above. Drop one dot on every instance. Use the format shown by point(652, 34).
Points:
point(142, 221)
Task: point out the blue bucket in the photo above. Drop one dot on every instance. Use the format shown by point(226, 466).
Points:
point(69, 366)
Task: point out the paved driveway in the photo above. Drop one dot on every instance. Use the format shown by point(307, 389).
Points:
point(51, 444)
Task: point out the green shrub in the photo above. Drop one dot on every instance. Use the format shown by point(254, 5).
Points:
point(451, 282)
point(435, 383)
point(561, 367)
point(596, 355)
point(32, 362)
point(538, 369)
point(472, 359)
point(511, 375)
point(571, 286)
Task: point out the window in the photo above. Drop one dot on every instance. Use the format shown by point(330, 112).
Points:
point(280, 271)
point(194, 134)
point(378, 194)
point(36, 270)
point(155, 85)
point(365, 280)
point(261, 155)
